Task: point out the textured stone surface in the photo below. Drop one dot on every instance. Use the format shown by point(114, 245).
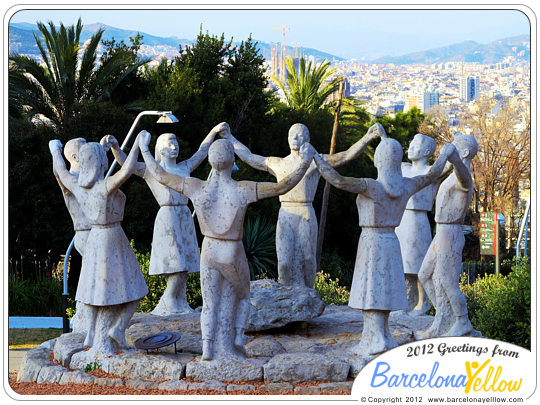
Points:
point(50, 374)
point(274, 305)
point(298, 367)
point(241, 387)
point(109, 382)
point(279, 388)
point(338, 387)
point(266, 346)
point(32, 363)
point(209, 385)
point(225, 370)
point(357, 364)
point(139, 365)
point(67, 345)
point(76, 377)
point(309, 390)
point(173, 385)
point(141, 385)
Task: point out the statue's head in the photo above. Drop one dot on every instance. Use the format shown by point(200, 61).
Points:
point(221, 154)
point(466, 146)
point(93, 163)
point(166, 146)
point(298, 135)
point(422, 146)
point(71, 150)
point(388, 155)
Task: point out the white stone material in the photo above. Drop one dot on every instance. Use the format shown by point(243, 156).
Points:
point(297, 367)
point(111, 282)
point(441, 267)
point(175, 251)
point(225, 370)
point(378, 285)
point(274, 305)
point(220, 204)
point(296, 232)
point(414, 231)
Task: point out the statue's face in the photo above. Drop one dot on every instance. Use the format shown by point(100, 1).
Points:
point(170, 148)
point(416, 149)
point(296, 138)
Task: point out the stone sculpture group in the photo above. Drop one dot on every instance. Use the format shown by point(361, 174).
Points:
point(395, 246)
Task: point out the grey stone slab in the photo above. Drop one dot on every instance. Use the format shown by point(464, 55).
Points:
point(297, 367)
point(225, 370)
point(76, 377)
point(67, 345)
point(50, 374)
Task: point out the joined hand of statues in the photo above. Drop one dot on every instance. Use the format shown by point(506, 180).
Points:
point(108, 141)
point(449, 151)
point(376, 130)
point(306, 152)
point(144, 140)
point(223, 129)
point(55, 145)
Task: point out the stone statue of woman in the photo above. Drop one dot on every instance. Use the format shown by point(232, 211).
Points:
point(111, 282)
point(378, 285)
point(175, 251)
point(220, 204)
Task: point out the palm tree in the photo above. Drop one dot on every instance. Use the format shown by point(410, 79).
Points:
point(306, 88)
point(69, 75)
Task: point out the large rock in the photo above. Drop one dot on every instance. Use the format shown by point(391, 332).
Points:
point(274, 305)
point(225, 370)
point(298, 367)
point(67, 345)
point(32, 363)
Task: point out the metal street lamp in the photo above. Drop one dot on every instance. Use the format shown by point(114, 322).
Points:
point(165, 117)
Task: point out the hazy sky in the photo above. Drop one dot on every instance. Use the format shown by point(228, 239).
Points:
point(346, 33)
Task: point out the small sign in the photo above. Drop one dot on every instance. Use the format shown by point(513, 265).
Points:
point(488, 233)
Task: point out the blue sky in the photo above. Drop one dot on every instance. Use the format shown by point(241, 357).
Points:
point(346, 33)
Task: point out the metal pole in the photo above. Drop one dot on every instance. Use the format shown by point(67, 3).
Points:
point(497, 255)
point(524, 225)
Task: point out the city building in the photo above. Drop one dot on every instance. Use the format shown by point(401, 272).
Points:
point(469, 88)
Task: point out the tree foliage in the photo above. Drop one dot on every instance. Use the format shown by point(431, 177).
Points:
point(55, 89)
point(305, 87)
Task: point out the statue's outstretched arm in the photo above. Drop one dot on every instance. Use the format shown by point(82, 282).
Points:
point(194, 161)
point(351, 184)
point(265, 190)
point(256, 161)
point(66, 180)
point(338, 159)
point(110, 142)
point(128, 168)
point(435, 171)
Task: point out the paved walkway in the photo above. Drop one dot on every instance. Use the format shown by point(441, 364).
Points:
point(15, 359)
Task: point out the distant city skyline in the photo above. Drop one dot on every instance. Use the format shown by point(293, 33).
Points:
point(345, 33)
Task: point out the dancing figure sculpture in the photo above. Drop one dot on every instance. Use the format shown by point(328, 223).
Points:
point(442, 267)
point(175, 251)
point(220, 204)
point(414, 231)
point(296, 231)
point(111, 282)
point(378, 285)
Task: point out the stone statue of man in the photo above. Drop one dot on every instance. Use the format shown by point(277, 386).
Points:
point(220, 204)
point(296, 231)
point(414, 231)
point(378, 285)
point(442, 267)
point(175, 251)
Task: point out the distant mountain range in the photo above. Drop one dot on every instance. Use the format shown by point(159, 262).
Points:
point(21, 40)
point(468, 51)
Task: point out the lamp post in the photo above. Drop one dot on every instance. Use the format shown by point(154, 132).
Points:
point(165, 117)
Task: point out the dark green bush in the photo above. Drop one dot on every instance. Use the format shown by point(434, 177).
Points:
point(40, 297)
point(500, 306)
point(259, 239)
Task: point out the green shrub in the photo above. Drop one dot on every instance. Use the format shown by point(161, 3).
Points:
point(500, 306)
point(259, 239)
point(41, 297)
point(157, 284)
point(338, 268)
point(330, 291)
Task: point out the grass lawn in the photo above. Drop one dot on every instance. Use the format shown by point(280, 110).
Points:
point(29, 338)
